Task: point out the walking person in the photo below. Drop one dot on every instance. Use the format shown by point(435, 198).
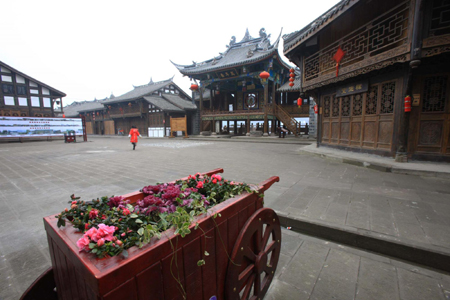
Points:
point(134, 133)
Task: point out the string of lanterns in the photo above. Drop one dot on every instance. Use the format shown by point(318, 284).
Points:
point(292, 77)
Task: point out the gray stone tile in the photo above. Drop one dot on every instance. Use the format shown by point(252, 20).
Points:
point(416, 286)
point(282, 290)
point(377, 281)
point(338, 277)
point(305, 267)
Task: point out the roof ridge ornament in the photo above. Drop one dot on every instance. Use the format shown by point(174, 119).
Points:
point(232, 41)
point(262, 33)
point(247, 37)
point(151, 80)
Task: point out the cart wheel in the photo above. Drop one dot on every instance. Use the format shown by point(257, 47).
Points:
point(255, 256)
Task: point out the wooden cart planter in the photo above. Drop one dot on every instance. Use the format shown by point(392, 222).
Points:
point(243, 246)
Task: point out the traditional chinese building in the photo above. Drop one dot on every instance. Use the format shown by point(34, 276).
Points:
point(365, 62)
point(237, 93)
point(24, 96)
point(148, 107)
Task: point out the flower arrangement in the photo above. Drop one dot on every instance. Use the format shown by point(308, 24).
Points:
point(111, 225)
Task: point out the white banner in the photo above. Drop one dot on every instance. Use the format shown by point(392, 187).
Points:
point(33, 127)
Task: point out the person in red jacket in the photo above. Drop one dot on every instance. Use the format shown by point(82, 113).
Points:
point(133, 135)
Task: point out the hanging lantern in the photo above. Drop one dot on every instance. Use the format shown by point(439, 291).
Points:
point(316, 109)
point(299, 102)
point(217, 92)
point(194, 87)
point(64, 115)
point(129, 104)
point(407, 103)
point(264, 75)
point(291, 77)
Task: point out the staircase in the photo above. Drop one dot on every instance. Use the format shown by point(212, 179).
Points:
point(206, 126)
point(285, 117)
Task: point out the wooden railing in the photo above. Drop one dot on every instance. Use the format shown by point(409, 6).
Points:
point(234, 112)
point(386, 32)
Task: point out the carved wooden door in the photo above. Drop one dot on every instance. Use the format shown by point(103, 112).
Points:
point(433, 126)
point(364, 120)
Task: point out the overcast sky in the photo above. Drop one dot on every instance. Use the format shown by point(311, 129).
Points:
point(88, 49)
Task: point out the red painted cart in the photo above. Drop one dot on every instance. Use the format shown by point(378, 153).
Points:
point(243, 246)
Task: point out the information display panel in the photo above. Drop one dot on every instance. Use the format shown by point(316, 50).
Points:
point(36, 127)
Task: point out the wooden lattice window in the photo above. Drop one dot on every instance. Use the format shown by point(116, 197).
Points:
point(346, 106)
point(371, 100)
point(387, 98)
point(335, 112)
point(440, 17)
point(326, 106)
point(434, 94)
point(357, 105)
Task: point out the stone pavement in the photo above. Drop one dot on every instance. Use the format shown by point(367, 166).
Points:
point(311, 268)
point(37, 178)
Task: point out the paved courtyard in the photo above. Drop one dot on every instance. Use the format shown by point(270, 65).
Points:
point(36, 180)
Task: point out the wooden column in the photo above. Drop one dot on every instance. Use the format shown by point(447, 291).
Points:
point(248, 126)
point(266, 101)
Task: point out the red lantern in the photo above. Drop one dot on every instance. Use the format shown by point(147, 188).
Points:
point(299, 102)
point(64, 116)
point(292, 75)
point(291, 70)
point(407, 103)
point(129, 104)
point(291, 79)
point(80, 115)
point(98, 113)
point(194, 87)
point(316, 109)
point(291, 84)
point(264, 75)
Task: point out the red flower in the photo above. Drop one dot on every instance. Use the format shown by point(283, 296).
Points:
point(103, 217)
point(93, 213)
point(200, 184)
point(214, 181)
point(86, 226)
point(126, 211)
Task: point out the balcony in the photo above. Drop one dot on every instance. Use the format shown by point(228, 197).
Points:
point(378, 43)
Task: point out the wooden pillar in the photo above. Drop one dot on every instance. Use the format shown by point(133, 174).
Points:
point(248, 126)
point(235, 127)
point(200, 94)
point(266, 101)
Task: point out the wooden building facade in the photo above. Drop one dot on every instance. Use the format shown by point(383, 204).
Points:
point(231, 90)
point(148, 107)
point(361, 59)
point(24, 96)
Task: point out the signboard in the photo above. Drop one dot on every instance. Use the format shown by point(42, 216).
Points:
point(227, 74)
point(178, 124)
point(37, 127)
point(354, 88)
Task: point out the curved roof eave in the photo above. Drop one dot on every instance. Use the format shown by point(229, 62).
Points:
point(296, 38)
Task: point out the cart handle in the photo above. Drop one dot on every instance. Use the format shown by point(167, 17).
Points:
point(215, 171)
point(266, 184)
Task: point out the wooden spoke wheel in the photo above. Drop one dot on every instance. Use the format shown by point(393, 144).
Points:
point(255, 257)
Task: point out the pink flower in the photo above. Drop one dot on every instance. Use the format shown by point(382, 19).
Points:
point(125, 211)
point(100, 242)
point(200, 184)
point(119, 242)
point(83, 243)
point(216, 176)
point(123, 234)
point(214, 181)
point(106, 232)
point(93, 213)
point(74, 202)
point(92, 234)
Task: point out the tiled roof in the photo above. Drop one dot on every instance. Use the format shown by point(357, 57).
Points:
point(55, 91)
point(237, 54)
point(180, 102)
point(140, 91)
point(293, 39)
point(162, 103)
point(74, 109)
point(286, 88)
